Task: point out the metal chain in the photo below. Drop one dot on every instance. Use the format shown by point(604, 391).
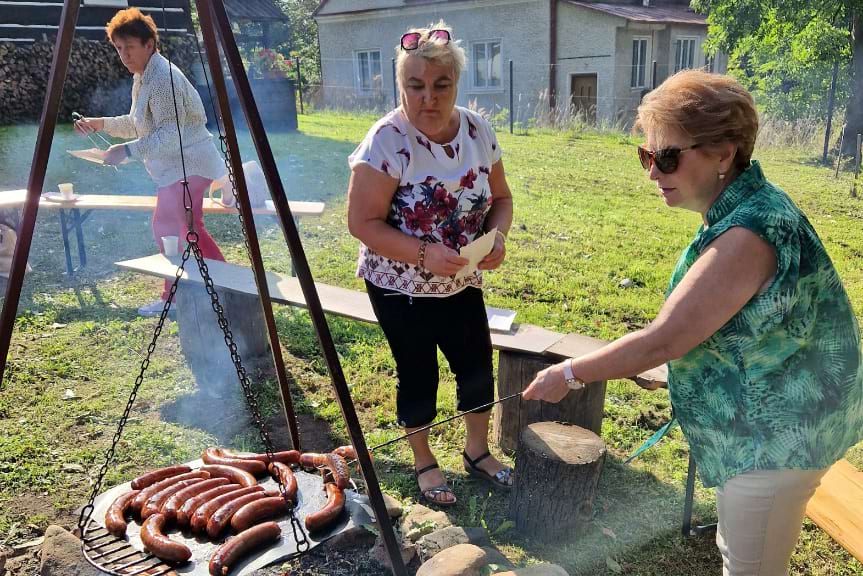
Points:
point(251, 400)
point(301, 539)
point(87, 511)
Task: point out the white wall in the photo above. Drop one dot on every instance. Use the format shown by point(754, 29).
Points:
point(472, 21)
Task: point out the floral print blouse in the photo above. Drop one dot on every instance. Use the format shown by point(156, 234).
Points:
point(780, 386)
point(443, 195)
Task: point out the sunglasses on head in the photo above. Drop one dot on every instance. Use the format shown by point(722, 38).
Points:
point(411, 40)
point(666, 159)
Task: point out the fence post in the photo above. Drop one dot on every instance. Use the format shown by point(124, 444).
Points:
point(830, 100)
point(511, 111)
point(839, 155)
point(395, 90)
point(856, 165)
point(300, 84)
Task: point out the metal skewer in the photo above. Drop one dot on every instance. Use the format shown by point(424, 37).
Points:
point(444, 421)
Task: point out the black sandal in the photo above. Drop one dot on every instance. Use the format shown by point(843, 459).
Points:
point(430, 495)
point(503, 479)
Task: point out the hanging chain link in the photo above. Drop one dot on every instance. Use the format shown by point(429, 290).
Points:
point(87, 511)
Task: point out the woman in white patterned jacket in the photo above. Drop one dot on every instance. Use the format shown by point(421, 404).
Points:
point(152, 126)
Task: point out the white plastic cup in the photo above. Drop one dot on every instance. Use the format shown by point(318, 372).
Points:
point(170, 245)
point(66, 191)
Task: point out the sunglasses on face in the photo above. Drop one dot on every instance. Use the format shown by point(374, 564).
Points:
point(666, 159)
point(411, 40)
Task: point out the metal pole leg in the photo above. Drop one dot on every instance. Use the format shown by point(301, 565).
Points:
point(64, 230)
point(687, 529)
point(77, 222)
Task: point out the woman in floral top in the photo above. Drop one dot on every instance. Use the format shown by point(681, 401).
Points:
point(762, 345)
point(427, 180)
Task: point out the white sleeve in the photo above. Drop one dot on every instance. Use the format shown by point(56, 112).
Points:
point(164, 140)
point(384, 148)
point(119, 126)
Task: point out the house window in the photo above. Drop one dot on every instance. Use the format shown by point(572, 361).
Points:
point(684, 52)
point(639, 63)
point(369, 77)
point(487, 66)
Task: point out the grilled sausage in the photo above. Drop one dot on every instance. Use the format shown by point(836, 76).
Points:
point(324, 517)
point(115, 517)
point(285, 457)
point(146, 493)
point(154, 504)
point(346, 452)
point(160, 545)
point(337, 466)
point(172, 505)
point(222, 517)
point(188, 508)
point(232, 473)
point(216, 456)
point(257, 510)
point(226, 555)
point(149, 478)
point(202, 515)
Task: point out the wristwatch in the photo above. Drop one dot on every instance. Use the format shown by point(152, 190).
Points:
point(573, 382)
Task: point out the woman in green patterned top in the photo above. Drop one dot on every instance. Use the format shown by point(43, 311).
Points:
point(762, 345)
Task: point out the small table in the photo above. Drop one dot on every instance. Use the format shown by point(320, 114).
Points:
point(83, 205)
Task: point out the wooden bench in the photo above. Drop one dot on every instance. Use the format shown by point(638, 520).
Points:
point(837, 507)
point(81, 208)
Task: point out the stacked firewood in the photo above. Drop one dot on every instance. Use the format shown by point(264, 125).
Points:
point(224, 496)
point(97, 83)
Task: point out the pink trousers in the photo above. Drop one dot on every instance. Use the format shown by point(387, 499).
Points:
point(169, 219)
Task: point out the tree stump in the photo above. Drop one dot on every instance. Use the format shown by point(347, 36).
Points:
point(515, 371)
point(558, 469)
point(203, 341)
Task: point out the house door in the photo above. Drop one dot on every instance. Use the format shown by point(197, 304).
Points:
point(582, 95)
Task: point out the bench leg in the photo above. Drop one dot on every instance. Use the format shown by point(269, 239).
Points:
point(64, 230)
point(687, 529)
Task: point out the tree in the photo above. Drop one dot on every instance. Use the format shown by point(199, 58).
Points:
point(790, 44)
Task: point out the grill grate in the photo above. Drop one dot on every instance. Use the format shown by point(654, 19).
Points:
point(114, 556)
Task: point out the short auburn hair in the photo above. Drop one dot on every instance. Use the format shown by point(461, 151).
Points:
point(132, 23)
point(709, 108)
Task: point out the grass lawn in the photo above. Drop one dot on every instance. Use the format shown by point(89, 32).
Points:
point(586, 217)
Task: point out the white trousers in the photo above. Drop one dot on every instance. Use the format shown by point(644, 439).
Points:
point(760, 516)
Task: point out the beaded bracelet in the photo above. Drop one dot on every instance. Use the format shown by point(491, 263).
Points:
point(421, 255)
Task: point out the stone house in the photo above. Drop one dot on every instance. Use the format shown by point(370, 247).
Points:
point(598, 58)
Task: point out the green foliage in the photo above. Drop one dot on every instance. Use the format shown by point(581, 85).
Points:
point(784, 51)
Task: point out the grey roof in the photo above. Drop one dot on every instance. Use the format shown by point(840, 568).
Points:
point(257, 10)
point(655, 14)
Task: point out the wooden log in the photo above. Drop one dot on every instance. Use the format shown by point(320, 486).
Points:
point(515, 371)
point(559, 466)
point(203, 342)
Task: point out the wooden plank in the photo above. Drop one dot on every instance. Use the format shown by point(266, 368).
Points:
point(837, 506)
point(575, 345)
point(13, 198)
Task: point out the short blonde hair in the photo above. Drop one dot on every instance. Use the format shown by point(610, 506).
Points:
point(449, 54)
point(709, 108)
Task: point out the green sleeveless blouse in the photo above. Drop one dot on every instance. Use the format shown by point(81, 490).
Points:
point(781, 384)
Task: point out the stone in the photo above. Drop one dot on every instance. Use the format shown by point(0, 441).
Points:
point(394, 507)
point(495, 557)
point(460, 560)
point(430, 544)
point(421, 520)
point(379, 553)
point(536, 570)
point(352, 537)
point(62, 556)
